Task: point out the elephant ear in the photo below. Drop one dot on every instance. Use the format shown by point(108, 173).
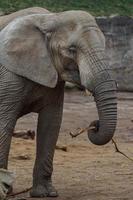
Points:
point(23, 50)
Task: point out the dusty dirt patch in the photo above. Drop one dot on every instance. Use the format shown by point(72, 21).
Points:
point(85, 171)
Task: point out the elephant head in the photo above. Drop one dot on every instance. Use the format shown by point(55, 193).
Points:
point(68, 46)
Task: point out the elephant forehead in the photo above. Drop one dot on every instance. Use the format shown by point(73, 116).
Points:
point(75, 17)
point(77, 14)
point(89, 35)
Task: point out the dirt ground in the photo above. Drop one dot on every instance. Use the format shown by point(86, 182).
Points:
point(85, 171)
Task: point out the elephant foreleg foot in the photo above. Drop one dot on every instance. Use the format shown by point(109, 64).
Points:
point(6, 181)
point(44, 190)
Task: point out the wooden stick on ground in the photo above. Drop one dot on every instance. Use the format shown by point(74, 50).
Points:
point(24, 134)
point(20, 192)
point(83, 130)
point(118, 151)
point(61, 147)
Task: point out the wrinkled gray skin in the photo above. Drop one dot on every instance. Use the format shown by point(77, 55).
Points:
point(38, 53)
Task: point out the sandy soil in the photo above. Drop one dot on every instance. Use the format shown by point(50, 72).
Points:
point(85, 171)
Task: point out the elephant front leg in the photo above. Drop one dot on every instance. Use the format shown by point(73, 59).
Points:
point(6, 177)
point(47, 134)
point(8, 117)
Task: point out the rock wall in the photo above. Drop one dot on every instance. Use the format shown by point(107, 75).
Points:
point(118, 31)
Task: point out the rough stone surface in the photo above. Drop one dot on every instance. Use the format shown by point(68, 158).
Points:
point(118, 31)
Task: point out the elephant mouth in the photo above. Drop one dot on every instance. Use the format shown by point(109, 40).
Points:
point(71, 72)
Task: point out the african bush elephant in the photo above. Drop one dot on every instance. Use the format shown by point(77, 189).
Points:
point(38, 53)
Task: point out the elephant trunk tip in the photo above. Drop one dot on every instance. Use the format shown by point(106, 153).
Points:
point(96, 137)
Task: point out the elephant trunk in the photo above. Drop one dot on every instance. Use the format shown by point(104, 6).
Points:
point(105, 98)
point(97, 79)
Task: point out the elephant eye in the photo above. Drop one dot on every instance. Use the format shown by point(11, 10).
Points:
point(72, 49)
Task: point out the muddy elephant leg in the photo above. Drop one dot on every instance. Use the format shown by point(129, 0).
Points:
point(47, 134)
